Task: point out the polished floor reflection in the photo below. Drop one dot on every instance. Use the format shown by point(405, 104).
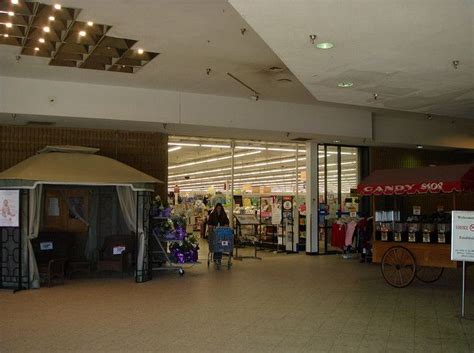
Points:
point(284, 303)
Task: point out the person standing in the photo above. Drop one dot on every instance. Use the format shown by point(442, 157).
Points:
point(218, 218)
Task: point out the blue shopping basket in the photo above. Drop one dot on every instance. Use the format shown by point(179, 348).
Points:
point(221, 239)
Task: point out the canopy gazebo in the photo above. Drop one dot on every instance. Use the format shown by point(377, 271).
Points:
point(66, 166)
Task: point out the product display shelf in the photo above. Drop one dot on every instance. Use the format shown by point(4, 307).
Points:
point(162, 258)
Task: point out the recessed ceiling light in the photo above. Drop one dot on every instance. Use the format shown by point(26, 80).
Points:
point(140, 51)
point(46, 29)
point(345, 84)
point(9, 25)
point(82, 33)
point(41, 40)
point(90, 23)
point(324, 45)
point(419, 146)
point(57, 6)
point(5, 35)
point(15, 2)
point(11, 13)
point(51, 18)
point(37, 49)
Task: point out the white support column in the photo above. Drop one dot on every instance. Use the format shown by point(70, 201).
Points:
point(312, 195)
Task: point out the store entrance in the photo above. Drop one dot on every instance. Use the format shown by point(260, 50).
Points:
point(265, 182)
point(338, 171)
point(261, 186)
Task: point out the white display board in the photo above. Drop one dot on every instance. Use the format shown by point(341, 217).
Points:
point(9, 208)
point(462, 229)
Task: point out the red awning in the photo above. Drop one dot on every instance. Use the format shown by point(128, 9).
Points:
point(442, 179)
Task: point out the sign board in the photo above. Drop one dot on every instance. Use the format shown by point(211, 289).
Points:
point(46, 245)
point(277, 212)
point(9, 208)
point(462, 229)
point(118, 250)
point(247, 219)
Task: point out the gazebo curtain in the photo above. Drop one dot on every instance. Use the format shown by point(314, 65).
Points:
point(128, 201)
point(34, 218)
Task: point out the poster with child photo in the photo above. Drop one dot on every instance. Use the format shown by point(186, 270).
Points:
point(9, 208)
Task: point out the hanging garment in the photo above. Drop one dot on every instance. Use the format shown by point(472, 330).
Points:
point(338, 234)
point(351, 226)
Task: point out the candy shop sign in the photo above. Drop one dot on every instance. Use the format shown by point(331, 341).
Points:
point(400, 189)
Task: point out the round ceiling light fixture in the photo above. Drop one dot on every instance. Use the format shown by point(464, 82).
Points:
point(419, 147)
point(14, 2)
point(57, 6)
point(336, 141)
point(51, 18)
point(41, 40)
point(82, 33)
point(90, 23)
point(325, 45)
point(9, 25)
point(11, 13)
point(140, 51)
point(46, 29)
point(37, 49)
point(5, 35)
point(345, 84)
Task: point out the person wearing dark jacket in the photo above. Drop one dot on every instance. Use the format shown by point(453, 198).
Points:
point(218, 218)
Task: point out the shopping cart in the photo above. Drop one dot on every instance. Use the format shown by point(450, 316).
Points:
point(221, 240)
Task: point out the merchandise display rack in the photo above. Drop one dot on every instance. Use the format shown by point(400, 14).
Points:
point(162, 254)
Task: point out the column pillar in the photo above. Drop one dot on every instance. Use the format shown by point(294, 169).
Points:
point(312, 197)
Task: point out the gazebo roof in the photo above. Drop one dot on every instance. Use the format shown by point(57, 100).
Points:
point(74, 165)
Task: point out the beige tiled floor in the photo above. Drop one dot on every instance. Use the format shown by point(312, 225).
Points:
point(284, 303)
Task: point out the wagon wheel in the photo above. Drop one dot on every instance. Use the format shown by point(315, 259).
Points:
point(398, 266)
point(429, 274)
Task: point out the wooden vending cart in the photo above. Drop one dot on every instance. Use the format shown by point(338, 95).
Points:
point(405, 242)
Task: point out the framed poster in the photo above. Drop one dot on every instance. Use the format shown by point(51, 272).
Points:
point(266, 208)
point(462, 228)
point(10, 208)
point(277, 211)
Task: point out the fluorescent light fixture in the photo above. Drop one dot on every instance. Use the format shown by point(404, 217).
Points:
point(90, 23)
point(82, 33)
point(183, 144)
point(140, 51)
point(215, 146)
point(326, 45)
point(51, 18)
point(57, 6)
point(176, 148)
point(212, 160)
point(345, 84)
point(250, 148)
point(11, 13)
point(9, 25)
point(46, 29)
point(41, 40)
point(281, 149)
